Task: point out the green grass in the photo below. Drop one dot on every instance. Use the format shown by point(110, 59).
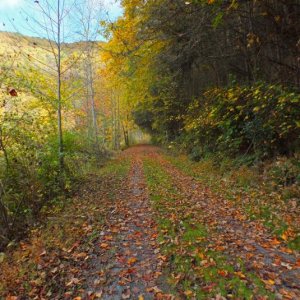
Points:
point(263, 203)
point(194, 269)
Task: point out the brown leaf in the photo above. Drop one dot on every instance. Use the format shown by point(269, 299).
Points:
point(104, 246)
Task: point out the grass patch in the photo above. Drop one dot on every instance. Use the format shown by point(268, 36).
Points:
point(195, 269)
point(259, 197)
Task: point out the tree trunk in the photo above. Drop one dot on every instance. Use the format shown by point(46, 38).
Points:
point(59, 114)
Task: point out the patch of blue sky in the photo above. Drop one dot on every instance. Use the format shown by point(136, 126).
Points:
point(23, 16)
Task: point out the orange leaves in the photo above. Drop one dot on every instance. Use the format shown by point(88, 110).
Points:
point(104, 246)
point(115, 229)
point(223, 273)
point(131, 260)
point(220, 248)
point(108, 237)
point(287, 234)
point(274, 242)
point(162, 257)
point(80, 255)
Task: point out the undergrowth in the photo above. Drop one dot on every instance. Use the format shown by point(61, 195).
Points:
point(268, 191)
point(41, 262)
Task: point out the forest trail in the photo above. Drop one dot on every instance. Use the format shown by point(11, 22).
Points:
point(131, 261)
point(146, 230)
point(128, 263)
point(241, 240)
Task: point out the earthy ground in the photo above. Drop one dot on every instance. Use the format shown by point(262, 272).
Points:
point(156, 233)
point(127, 262)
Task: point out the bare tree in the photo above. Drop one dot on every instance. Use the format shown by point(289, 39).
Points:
point(89, 15)
point(52, 19)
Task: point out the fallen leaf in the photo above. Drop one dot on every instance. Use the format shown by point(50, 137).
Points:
point(104, 245)
point(131, 260)
point(223, 273)
point(188, 293)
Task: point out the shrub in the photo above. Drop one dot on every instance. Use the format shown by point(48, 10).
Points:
point(263, 120)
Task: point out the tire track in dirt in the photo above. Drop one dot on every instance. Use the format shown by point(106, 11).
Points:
point(238, 237)
point(126, 262)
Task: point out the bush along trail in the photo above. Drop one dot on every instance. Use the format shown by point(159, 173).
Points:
point(141, 228)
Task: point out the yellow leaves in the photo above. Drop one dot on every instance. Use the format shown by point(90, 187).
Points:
point(2, 257)
point(240, 274)
point(201, 255)
point(277, 19)
point(284, 236)
point(269, 282)
point(189, 293)
point(252, 39)
point(108, 238)
point(73, 281)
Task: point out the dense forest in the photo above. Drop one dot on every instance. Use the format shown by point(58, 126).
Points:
point(215, 84)
point(209, 74)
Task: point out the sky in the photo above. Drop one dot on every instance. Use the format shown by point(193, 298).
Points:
point(13, 14)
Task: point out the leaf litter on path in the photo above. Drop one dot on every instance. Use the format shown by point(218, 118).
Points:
point(127, 263)
point(247, 244)
point(117, 251)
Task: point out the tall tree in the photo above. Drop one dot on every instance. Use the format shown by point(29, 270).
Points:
point(89, 15)
point(50, 20)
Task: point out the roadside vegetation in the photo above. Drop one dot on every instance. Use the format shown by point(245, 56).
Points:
point(50, 260)
point(259, 190)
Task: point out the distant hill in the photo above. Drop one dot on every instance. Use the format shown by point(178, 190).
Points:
point(34, 51)
point(12, 40)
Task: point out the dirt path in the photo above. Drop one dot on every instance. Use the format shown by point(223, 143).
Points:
point(231, 231)
point(117, 254)
point(127, 262)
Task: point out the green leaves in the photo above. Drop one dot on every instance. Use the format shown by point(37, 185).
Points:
point(262, 120)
